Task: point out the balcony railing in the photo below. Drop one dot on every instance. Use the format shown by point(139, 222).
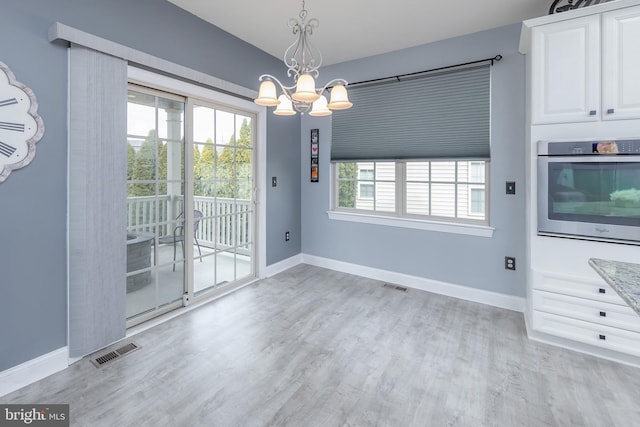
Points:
point(226, 223)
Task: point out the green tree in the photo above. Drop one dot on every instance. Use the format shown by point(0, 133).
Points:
point(205, 169)
point(150, 159)
point(226, 170)
point(144, 167)
point(347, 185)
point(131, 160)
point(196, 162)
point(162, 167)
point(234, 165)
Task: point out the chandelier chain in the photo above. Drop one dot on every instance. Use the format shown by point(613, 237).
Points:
point(303, 12)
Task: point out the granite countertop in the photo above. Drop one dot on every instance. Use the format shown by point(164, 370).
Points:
point(624, 278)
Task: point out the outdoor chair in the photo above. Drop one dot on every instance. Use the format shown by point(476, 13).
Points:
point(178, 236)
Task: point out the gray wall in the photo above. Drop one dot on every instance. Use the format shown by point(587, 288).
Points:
point(283, 201)
point(476, 262)
point(33, 279)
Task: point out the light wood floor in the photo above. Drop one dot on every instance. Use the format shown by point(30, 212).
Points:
point(312, 347)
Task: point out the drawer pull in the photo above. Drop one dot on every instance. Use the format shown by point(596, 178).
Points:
point(603, 314)
point(592, 112)
point(610, 111)
point(602, 290)
point(602, 337)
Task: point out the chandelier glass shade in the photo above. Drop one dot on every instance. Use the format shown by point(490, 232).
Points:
point(302, 61)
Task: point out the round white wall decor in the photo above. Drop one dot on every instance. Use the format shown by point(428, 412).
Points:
point(20, 125)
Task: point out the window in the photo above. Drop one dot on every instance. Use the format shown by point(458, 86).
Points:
point(367, 186)
point(435, 190)
point(418, 160)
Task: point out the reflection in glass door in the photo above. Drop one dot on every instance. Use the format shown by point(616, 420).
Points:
point(223, 158)
point(155, 203)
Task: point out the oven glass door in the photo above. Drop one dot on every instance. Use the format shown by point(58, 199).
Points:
point(593, 189)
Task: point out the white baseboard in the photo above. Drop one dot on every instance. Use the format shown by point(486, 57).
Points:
point(33, 370)
point(494, 299)
point(283, 265)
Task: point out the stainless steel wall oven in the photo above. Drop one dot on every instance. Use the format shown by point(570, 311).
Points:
point(590, 189)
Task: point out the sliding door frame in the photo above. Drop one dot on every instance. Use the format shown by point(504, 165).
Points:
point(191, 103)
point(194, 93)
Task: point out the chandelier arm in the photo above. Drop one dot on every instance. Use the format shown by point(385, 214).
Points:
point(310, 56)
point(332, 83)
point(290, 57)
point(301, 57)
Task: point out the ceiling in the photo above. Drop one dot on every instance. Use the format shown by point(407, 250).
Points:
point(352, 29)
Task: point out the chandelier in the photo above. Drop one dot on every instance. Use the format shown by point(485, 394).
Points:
point(302, 61)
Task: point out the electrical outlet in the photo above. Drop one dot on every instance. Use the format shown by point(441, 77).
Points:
point(511, 187)
point(510, 262)
point(287, 236)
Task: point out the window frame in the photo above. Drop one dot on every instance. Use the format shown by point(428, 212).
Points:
point(400, 218)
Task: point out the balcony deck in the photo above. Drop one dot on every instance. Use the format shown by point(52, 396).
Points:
point(211, 271)
point(226, 225)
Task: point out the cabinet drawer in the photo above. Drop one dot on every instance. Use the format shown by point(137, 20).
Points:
point(602, 313)
point(596, 289)
point(586, 332)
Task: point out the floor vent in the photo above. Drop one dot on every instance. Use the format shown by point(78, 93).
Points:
point(113, 354)
point(397, 288)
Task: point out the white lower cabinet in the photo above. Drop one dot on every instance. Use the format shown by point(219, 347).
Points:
point(615, 339)
point(585, 311)
point(597, 312)
point(596, 289)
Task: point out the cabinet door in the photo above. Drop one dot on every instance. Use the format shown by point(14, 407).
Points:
point(565, 80)
point(621, 64)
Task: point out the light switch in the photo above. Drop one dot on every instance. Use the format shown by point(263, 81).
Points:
point(511, 187)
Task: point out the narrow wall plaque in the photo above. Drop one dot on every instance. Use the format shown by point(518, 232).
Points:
point(315, 140)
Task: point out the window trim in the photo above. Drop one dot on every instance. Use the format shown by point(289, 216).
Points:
point(414, 223)
point(480, 228)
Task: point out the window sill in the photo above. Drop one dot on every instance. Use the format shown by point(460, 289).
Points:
point(443, 227)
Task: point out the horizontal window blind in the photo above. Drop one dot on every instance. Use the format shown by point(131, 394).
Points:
point(437, 116)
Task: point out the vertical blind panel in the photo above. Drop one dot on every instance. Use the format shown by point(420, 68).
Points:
point(97, 196)
point(445, 115)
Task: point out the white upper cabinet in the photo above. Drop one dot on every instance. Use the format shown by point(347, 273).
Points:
point(565, 71)
point(587, 68)
point(621, 64)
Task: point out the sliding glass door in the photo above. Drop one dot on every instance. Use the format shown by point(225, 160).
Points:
point(155, 201)
point(222, 195)
point(172, 250)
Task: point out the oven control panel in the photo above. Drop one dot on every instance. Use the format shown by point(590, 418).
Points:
point(589, 148)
